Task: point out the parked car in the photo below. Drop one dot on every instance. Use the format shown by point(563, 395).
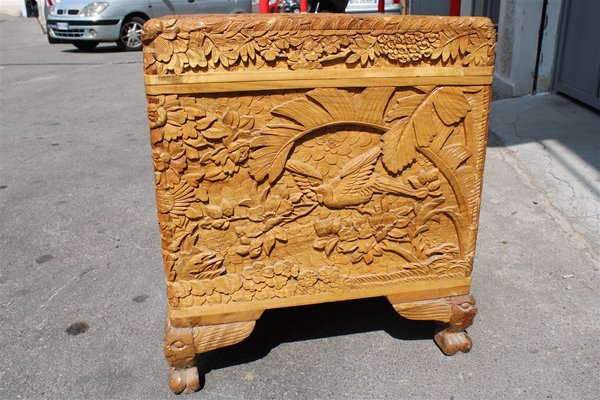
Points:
point(370, 6)
point(292, 6)
point(85, 24)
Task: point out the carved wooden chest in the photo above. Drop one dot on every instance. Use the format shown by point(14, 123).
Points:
point(315, 158)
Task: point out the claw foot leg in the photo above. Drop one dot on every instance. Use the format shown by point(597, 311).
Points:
point(182, 381)
point(455, 314)
point(453, 342)
point(182, 345)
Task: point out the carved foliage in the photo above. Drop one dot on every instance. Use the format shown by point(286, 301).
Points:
point(285, 279)
point(176, 46)
point(343, 177)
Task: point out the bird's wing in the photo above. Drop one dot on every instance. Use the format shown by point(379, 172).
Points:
point(306, 177)
point(355, 175)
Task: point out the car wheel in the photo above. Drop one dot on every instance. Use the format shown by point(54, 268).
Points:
point(130, 38)
point(85, 44)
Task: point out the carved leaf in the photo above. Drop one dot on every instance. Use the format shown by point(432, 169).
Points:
point(268, 242)
point(353, 58)
point(338, 103)
point(423, 124)
point(194, 211)
point(455, 154)
point(404, 107)
point(217, 131)
point(467, 177)
point(280, 234)
point(330, 246)
point(214, 211)
point(399, 146)
point(304, 112)
point(399, 143)
point(372, 103)
point(273, 147)
point(450, 104)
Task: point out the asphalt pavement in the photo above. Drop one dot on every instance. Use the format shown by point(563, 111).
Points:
point(81, 282)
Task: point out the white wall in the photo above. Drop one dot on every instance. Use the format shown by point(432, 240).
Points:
point(516, 50)
point(549, 48)
point(517, 47)
point(13, 7)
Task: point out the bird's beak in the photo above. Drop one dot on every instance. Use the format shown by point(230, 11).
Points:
point(320, 198)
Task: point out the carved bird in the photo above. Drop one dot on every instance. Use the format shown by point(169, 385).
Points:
point(354, 185)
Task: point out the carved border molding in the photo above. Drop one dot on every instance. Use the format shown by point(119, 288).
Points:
point(292, 42)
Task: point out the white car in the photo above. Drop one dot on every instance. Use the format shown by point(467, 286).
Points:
point(370, 6)
point(85, 24)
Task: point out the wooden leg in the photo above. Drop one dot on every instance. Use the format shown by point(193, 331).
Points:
point(182, 345)
point(454, 315)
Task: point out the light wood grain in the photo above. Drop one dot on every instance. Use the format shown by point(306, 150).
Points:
point(218, 82)
point(309, 159)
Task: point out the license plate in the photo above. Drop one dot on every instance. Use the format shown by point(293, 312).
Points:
point(62, 26)
point(362, 2)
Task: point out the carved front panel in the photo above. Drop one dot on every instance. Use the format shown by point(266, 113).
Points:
point(284, 193)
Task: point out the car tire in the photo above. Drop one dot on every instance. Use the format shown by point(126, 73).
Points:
point(130, 35)
point(85, 44)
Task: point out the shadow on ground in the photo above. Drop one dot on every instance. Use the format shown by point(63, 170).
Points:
point(314, 322)
point(98, 50)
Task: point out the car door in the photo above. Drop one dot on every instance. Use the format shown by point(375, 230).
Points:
point(170, 7)
point(215, 6)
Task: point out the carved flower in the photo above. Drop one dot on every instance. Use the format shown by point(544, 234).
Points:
point(169, 162)
point(330, 278)
point(363, 237)
point(287, 268)
point(329, 274)
point(274, 207)
point(333, 145)
point(234, 132)
point(382, 224)
point(176, 201)
point(407, 47)
point(334, 148)
point(259, 273)
point(432, 37)
point(331, 45)
point(307, 278)
point(254, 272)
point(169, 262)
point(179, 117)
point(312, 50)
point(308, 58)
point(331, 232)
point(429, 179)
point(157, 115)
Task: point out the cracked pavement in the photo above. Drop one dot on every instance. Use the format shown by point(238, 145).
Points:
point(81, 283)
point(554, 144)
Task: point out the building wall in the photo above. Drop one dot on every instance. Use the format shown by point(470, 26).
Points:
point(518, 43)
point(549, 48)
point(13, 7)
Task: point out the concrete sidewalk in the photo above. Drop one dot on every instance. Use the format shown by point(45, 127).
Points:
point(81, 292)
